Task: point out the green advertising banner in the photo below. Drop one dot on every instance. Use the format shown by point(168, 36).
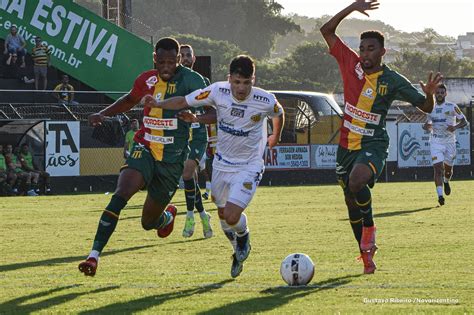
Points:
point(83, 44)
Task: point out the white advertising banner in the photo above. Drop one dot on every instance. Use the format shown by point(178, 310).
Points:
point(62, 148)
point(324, 156)
point(414, 146)
point(287, 157)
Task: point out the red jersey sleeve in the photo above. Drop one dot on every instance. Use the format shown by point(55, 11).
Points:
point(143, 84)
point(345, 56)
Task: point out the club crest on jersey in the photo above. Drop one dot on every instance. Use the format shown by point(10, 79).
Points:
point(203, 95)
point(171, 89)
point(151, 81)
point(382, 89)
point(359, 71)
point(256, 118)
point(247, 185)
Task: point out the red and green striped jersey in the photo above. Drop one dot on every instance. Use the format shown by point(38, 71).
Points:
point(162, 133)
point(367, 98)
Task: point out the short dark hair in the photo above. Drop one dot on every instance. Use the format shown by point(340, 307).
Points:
point(167, 43)
point(375, 35)
point(242, 65)
point(186, 46)
point(442, 86)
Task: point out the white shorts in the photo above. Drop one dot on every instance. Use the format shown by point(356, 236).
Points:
point(443, 152)
point(236, 187)
point(202, 163)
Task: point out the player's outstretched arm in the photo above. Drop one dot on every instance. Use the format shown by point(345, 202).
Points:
point(175, 103)
point(328, 30)
point(430, 88)
point(121, 105)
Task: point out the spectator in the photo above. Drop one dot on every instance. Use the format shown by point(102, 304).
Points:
point(13, 71)
point(28, 165)
point(15, 44)
point(65, 92)
point(7, 178)
point(14, 165)
point(40, 55)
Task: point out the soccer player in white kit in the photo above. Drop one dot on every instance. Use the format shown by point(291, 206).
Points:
point(443, 121)
point(242, 112)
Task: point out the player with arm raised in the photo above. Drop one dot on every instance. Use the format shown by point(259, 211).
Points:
point(370, 87)
point(157, 157)
point(242, 112)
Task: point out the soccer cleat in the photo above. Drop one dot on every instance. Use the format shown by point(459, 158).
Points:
point(368, 238)
point(206, 226)
point(188, 227)
point(205, 196)
point(236, 268)
point(243, 247)
point(88, 267)
point(441, 200)
point(367, 257)
point(447, 188)
point(32, 193)
point(168, 228)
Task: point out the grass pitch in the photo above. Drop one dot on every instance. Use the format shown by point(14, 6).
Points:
point(425, 260)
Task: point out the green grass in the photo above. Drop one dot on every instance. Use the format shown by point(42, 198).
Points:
point(426, 252)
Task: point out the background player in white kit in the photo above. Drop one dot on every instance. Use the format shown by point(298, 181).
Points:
point(242, 112)
point(443, 121)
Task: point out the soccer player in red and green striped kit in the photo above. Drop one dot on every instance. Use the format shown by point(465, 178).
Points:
point(370, 87)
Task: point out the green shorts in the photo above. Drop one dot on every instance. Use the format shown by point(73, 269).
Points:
point(161, 178)
point(198, 148)
point(373, 156)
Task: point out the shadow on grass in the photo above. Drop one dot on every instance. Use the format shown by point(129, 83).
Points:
point(20, 305)
point(147, 302)
point(395, 213)
point(278, 296)
point(62, 260)
point(401, 212)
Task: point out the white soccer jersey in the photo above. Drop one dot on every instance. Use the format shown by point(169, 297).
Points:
point(242, 125)
point(442, 116)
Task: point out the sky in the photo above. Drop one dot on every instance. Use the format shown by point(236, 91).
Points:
point(448, 17)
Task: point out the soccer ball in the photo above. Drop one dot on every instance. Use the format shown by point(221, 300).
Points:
point(297, 269)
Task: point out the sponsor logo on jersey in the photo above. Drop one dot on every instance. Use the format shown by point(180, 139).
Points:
point(228, 128)
point(256, 118)
point(362, 115)
point(382, 89)
point(159, 139)
point(276, 108)
point(158, 96)
point(359, 71)
point(359, 130)
point(160, 123)
point(237, 112)
point(151, 81)
point(369, 93)
point(171, 89)
point(261, 98)
point(195, 125)
point(239, 105)
point(247, 185)
point(224, 90)
point(203, 95)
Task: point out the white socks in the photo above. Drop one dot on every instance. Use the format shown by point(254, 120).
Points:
point(439, 190)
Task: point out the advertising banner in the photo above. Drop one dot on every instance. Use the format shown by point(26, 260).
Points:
point(62, 148)
point(82, 44)
point(323, 156)
point(414, 146)
point(287, 157)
